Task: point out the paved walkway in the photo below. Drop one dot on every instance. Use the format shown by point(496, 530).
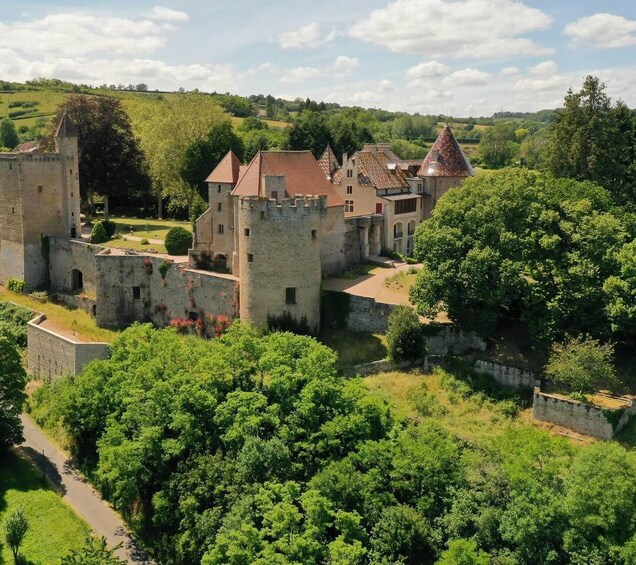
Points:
point(76, 491)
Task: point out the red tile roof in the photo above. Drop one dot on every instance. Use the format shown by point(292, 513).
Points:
point(302, 175)
point(328, 163)
point(373, 170)
point(26, 147)
point(450, 160)
point(227, 171)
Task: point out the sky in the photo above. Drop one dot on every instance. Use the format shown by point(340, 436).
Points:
point(460, 58)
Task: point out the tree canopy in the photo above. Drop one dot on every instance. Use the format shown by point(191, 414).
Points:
point(521, 245)
point(8, 135)
point(111, 162)
point(13, 379)
point(594, 140)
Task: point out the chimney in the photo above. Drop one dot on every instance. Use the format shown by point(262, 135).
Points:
point(344, 158)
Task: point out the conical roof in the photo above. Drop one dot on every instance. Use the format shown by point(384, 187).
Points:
point(66, 127)
point(328, 162)
point(446, 158)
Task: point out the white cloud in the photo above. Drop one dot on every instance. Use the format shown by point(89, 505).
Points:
point(544, 68)
point(467, 77)
point(73, 35)
point(306, 36)
point(344, 65)
point(426, 70)
point(163, 14)
point(300, 74)
point(386, 85)
point(552, 83)
point(465, 28)
point(509, 71)
point(605, 31)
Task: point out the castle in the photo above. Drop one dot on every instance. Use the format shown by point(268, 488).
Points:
point(273, 229)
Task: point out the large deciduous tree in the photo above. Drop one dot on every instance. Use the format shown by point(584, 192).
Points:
point(8, 135)
point(111, 162)
point(12, 382)
point(594, 140)
point(171, 131)
point(521, 245)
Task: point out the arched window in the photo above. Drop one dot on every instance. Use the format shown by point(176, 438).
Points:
point(77, 279)
point(398, 230)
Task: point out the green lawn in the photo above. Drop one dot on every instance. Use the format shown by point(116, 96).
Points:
point(54, 529)
point(354, 348)
point(136, 245)
point(73, 320)
point(145, 227)
point(48, 102)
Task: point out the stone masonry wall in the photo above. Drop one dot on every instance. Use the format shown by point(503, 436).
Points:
point(130, 288)
point(66, 255)
point(578, 416)
point(368, 315)
point(52, 355)
point(452, 341)
point(507, 376)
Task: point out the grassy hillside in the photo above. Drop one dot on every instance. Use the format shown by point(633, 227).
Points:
point(54, 529)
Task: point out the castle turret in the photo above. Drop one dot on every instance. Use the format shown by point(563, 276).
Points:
point(279, 256)
point(66, 145)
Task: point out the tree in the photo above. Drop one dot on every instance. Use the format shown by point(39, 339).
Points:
point(463, 552)
point(310, 131)
point(593, 140)
point(205, 154)
point(111, 162)
point(8, 135)
point(498, 147)
point(13, 379)
point(517, 245)
point(404, 335)
point(583, 364)
point(15, 528)
point(170, 132)
point(178, 241)
point(93, 552)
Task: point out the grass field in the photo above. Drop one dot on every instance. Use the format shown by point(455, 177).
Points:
point(354, 348)
point(54, 529)
point(136, 245)
point(148, 228)
point(72, 320)
point(48, 102)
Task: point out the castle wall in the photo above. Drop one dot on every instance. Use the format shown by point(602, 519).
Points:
point(333, 254)
point(66, 255)
point(279, 256)
point(11, 220)
point(215, 227)
point(579, 416)
point(507, 376)
point(131, 288)
point(51, 354)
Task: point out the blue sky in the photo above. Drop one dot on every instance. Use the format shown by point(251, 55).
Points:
point(466, 57)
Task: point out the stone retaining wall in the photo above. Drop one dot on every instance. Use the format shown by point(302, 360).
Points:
point(507, 376)
point(579, 416)
point(50, 355)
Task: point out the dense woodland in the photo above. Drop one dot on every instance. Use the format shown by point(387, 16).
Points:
point(252, 449)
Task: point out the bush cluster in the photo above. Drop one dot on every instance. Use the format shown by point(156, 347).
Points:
point(16, 285)
point(178, 241)
point(404, 336)
point(98, 234)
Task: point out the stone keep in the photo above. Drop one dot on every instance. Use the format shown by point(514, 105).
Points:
point(39, 197)
point(279, 256)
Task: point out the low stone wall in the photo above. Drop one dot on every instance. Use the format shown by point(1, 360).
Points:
point(507, 376)
point(368, 315)
point(579, 416)
point(452, 341)
point(51, 355)
point(385, 366)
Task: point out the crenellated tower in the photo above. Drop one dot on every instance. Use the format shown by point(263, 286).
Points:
point(279, 256)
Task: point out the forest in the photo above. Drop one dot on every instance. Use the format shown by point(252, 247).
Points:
point(252, 449)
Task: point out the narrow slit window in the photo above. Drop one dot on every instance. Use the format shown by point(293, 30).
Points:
point(290, 295)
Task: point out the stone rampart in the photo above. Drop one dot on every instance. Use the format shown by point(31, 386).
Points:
point(453, 341)
point(368, 315)
point(67, 255)
point(134, 287)
point(579, 416)
point(507, 376)
point(51, 354)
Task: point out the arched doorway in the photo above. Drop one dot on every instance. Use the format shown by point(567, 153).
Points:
point(77, 279)
point(220, 262)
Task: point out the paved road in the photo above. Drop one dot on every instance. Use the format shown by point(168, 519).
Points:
point(76, 491)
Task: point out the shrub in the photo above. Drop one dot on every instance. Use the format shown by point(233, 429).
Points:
point(287, 323)
point(583, 364)
point(404, 336)
point(144, 241)
point(110, 227)
point(16, 285)
point(99, 235)
point(178, 241)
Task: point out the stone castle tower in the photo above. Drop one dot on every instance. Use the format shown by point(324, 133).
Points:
point(39, 197)
point(279, 255)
